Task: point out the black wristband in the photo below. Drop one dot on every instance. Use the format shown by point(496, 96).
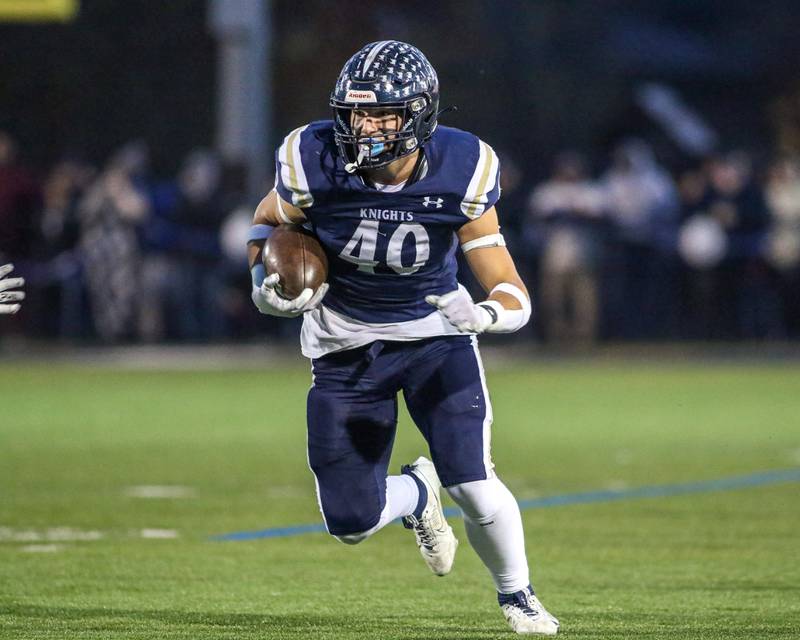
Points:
point(492, 311)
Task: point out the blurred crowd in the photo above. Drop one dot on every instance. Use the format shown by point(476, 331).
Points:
point(115, 255)
point(632, 250)
point(709, 251)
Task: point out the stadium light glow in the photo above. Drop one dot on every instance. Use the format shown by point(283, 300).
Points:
point(38, 10)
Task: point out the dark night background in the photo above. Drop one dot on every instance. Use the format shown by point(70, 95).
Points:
point(528, 76)
point(598, 233)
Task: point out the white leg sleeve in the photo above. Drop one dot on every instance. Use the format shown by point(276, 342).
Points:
point(402, 495)
point(494, 528)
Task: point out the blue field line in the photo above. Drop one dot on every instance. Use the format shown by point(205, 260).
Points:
point(566, 499)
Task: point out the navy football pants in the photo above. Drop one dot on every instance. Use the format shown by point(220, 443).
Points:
point(352, 418)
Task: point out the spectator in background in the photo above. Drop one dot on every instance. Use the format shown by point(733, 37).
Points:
point(702, 245)
point(783, 246)
point(59, 294)
point(19, 202)
point(514, 196)
point(111, 215)
point(240, 322)
point(747, 299)
point(567, 211)
point(59, 223)
point(642, 203)
point(182, 277)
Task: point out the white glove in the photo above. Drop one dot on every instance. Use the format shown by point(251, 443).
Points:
point(10, 296)
point(459, 309)
point(269, 302)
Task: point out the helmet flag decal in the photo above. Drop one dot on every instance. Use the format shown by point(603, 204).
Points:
point(372, 54)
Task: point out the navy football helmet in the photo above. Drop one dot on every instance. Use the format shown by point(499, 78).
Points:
point(391, 75)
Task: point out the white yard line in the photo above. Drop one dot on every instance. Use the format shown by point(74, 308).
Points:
point(158, 491)
point(159, 534)
point(43, 540)
point(52, 534)
point(42, 548)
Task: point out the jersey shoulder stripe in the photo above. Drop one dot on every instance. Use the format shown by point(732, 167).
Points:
point(484, 186)
point(291, 173)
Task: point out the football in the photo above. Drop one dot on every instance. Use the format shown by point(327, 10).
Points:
point(297, 256)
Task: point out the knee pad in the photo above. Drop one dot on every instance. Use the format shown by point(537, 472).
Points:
point(360, 536)
point(480, 499)
point(352, 538)
point(345, 518)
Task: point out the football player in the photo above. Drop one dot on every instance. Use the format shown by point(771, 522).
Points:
point(391, 196)
point(7, 295)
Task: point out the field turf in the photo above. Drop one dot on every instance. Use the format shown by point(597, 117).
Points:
point(76, 442)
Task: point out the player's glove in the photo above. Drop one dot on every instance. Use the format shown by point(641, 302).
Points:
point(269, 302)
point(7, 296)
point(459, 309)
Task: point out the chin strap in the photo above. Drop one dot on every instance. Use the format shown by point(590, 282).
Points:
point(352, 167)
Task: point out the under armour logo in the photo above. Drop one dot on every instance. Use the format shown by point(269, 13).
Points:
point(428, 202)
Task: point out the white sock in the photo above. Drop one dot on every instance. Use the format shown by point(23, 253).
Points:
point(494, 528)
point(402, 495)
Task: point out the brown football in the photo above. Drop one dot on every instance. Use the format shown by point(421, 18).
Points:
point(297, 256)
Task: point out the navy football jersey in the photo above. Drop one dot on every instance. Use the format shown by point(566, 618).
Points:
point(387, 250)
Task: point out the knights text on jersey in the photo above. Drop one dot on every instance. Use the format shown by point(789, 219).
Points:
point(387, 251)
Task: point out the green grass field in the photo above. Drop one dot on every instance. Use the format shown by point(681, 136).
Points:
point(74, 440)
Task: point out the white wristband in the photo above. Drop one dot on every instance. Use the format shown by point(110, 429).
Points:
point(508, 320)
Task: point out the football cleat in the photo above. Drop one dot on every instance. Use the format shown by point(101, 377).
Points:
point(525, 614)
point(435, 537)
